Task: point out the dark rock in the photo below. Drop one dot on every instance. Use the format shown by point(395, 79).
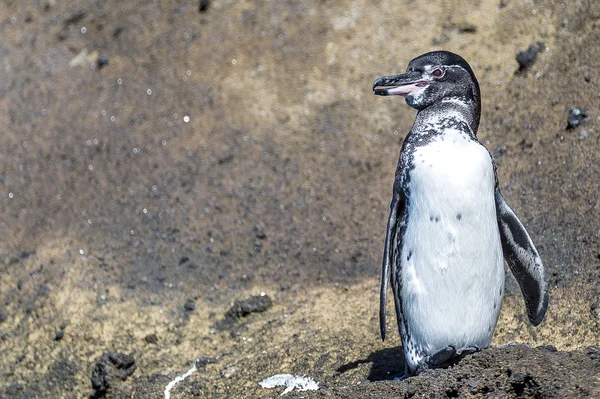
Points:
point(254, 304)
point(59, 335)
point(576, 117)
point(183, 259)
point(225, 159)
point(527, 57)
point(102, 61)
point(593, 353)
point(467, 28)
point(3, 315)
point(203, 361)
point(75, 17)
point(259, 232)
point(151, 339)
point(190, 305)
point(117, 32)
point(110, 368)
point(524, 384)
point(203, 5)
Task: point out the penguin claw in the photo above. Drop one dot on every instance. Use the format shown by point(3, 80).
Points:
point(469, 350)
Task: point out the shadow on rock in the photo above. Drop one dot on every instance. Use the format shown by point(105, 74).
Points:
point(386, 364)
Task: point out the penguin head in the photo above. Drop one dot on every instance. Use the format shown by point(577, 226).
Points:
point(430, 78)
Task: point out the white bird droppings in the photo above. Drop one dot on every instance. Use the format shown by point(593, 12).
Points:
point(290, 382)
point(177, 379)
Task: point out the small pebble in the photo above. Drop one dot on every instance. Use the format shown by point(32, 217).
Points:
point(190, 305)
point(203, 361)
point(203, 6)
point(467, 28)
point(259, 232)
point(102, 61)
point(151, 339)
point(526, 58)
point(75, 17)
point(576, 117)
point(183, 259)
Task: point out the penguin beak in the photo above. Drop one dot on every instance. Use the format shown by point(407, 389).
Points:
point(400, 85)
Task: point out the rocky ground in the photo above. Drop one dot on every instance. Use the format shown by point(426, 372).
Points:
point(162, 160)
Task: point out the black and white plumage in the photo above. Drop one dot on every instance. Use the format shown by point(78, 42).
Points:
point(449, 227)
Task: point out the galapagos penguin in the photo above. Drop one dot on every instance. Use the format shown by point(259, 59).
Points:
point(449, 227)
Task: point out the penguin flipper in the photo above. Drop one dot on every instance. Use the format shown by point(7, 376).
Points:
point(391, 244)
point(523, 259)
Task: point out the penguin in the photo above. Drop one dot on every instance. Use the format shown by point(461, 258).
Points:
point(449, 229)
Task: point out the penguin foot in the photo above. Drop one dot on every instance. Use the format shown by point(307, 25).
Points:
point(445, 357)
point(438, 359)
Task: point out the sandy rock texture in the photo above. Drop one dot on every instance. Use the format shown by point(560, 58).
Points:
point(160, 161)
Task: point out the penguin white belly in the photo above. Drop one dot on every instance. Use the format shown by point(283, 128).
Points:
point(451, 258)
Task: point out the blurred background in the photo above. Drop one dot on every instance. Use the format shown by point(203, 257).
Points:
point(161, 159)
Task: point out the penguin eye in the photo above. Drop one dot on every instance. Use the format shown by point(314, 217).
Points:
point(437, 72)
